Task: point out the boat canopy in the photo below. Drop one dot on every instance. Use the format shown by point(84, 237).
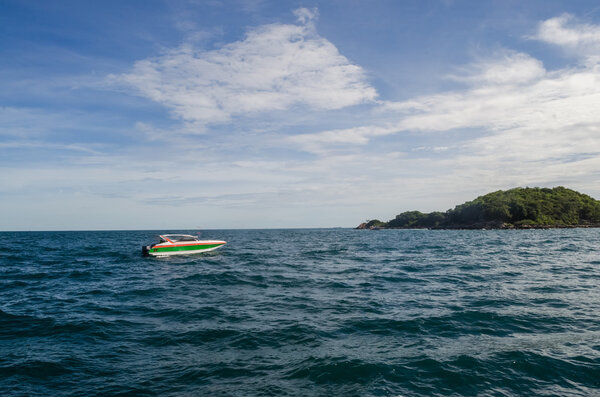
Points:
point(177, 237)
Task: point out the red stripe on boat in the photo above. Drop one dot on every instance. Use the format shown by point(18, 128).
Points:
point(187, 245)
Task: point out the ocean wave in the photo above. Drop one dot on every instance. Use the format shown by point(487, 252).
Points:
point(15, 327)
point(38, 369)
point(459, 323)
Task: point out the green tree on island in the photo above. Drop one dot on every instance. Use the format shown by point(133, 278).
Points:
point(514, 208)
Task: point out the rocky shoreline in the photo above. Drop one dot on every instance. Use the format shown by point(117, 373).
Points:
point(478, 226)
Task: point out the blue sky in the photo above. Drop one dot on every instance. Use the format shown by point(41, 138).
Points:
point(252, 114)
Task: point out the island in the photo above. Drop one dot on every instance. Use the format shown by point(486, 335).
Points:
point(518, 208)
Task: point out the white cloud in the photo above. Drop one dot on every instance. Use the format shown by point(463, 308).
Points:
point(305, 15)
point(275, 67)
point(563, 98)
point(25, 144)
point(506, 94)
point(566, 31)
point(317, 142)
point(507, 68)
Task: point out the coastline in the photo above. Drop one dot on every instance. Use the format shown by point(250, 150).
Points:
point(504, 226)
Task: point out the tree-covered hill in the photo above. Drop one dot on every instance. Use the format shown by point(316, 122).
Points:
point(514, 208)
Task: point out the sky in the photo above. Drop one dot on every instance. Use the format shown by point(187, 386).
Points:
point(192, 114)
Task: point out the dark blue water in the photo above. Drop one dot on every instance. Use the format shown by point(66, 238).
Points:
point(302, 312)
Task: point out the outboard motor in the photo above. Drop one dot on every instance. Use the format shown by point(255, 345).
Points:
point(146, 250)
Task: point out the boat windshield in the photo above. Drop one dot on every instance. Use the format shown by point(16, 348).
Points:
point(177, 237)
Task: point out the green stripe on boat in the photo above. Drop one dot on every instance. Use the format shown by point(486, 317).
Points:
point(186, 248)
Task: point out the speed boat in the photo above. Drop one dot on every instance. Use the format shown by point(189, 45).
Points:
point(180, 244)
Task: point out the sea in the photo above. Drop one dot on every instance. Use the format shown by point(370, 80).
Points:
point(302, 312)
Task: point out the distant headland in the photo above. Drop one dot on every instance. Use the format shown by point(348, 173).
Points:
point(519, 208)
